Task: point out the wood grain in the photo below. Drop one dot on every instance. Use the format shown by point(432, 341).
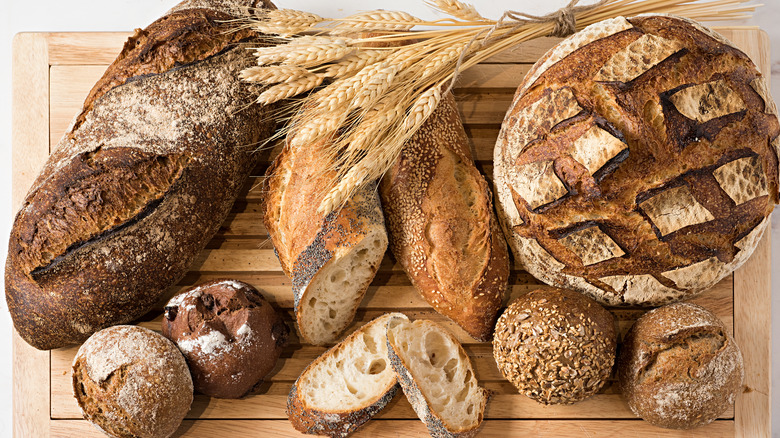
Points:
point(52, 75)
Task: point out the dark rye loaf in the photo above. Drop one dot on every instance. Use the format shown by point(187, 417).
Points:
point(140, 182)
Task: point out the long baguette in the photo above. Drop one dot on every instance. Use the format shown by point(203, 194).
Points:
point(441, 224)
point(141, 180)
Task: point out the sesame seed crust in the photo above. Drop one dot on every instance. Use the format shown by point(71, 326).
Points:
point(441, 224)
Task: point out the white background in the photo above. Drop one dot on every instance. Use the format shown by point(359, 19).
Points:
point(125, 15)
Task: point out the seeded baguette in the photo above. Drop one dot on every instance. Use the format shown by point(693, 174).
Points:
point(139, 183)
point(442, 227)
point(423, 354)
point(360, 359)
point(332, 258)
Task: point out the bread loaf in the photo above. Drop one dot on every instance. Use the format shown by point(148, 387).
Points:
point(638, 162)
point(331, 258)
point(141, 180)
point(679, 368)
point(441, 224)
point(347, 385)
point(131, 382)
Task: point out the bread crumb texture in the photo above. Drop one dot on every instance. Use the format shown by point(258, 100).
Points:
point(638, 162)
point(131, 382)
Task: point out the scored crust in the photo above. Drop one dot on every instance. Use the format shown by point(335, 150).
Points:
point(130, 381)
point(668, 150)
point(679, 368)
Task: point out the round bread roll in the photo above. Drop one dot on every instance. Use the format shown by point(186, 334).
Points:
point(229, 334)
point(638, 161)
point(556, 346)
point(131, 382)
point(679, 368)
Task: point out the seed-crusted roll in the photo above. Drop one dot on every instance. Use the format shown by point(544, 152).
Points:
point(140, 182)
point(638, 163)
point(441, 224)
point(556, 346)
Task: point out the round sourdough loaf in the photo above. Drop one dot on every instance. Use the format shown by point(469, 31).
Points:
point(638, 161)
point(132, 382)
point(679, 368)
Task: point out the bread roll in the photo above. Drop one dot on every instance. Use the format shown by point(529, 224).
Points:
point(638, 161)
point(229, 334)
point(131, 382)
point(141, 180)
point(331, 258)
point(441, 224)
point(556, 346)
point(679, 368)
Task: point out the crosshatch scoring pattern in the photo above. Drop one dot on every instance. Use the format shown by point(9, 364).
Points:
point(242, 250)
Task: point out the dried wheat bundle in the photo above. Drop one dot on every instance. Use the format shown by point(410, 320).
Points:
point(382, 80)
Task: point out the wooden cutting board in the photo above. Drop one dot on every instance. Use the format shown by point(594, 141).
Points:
point(52, 73)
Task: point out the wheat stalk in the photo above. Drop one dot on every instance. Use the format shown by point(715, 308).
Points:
point(384, 81)
point(457, 9)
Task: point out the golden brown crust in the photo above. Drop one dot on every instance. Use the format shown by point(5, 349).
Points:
point(679, 163)
point(679, 368)
point(441, 224)
point(148, 174)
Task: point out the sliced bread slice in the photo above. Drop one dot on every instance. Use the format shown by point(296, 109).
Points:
point(347, 385)
point(436, 375)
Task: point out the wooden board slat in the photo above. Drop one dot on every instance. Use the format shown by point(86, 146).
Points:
point(415, 429)
point(56, 71)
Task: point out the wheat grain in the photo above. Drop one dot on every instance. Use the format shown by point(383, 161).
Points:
point(377, 21)
point(443, 58)
point(458, 9)
point(273, 74)
point(285, 22)
point(380, 95)
point(289, 89)
point(421, 109)
point(354, 62)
